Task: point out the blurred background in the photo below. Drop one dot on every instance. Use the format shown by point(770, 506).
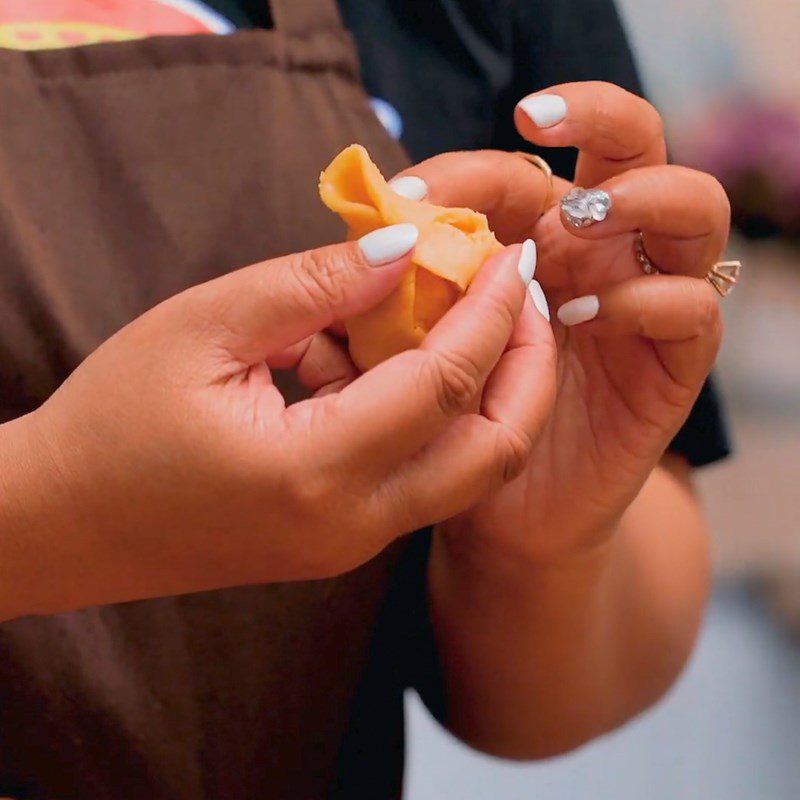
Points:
point(726, 75)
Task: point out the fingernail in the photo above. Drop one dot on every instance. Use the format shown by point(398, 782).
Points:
point(527, 261)
point(584, 207)
point(388, 244)
point(410, 186)
point(545, 110)
point(539, 300)
point(581, 309)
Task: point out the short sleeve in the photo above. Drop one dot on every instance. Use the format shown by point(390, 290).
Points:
point(557, 42)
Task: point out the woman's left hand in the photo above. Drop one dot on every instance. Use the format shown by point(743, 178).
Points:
point(634, 349)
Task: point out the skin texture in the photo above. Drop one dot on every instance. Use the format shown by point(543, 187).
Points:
point(569, 601)
point(567, 582)
point(169, 462)
point(541, 658)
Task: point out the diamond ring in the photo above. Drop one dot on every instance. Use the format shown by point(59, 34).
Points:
point(648, 267)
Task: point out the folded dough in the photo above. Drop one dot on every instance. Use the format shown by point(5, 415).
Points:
point(453, 243)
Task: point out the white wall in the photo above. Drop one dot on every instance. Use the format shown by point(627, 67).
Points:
point(692, 51)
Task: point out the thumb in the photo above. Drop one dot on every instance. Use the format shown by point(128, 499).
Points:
point(259, 310)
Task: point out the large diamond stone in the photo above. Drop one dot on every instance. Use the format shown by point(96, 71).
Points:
point(584, 207)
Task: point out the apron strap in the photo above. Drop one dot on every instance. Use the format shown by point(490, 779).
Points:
point(305, 17)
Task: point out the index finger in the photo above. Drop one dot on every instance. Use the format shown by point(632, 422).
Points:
point(392, 411)
point(509, 190)
point(614, 129)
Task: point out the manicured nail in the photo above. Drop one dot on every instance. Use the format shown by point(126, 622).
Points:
point(545, 110)
point(527, 261)
point(584, 207)
point(388, 244)
point(539, 300)
point(581, 309)
point(410, 186)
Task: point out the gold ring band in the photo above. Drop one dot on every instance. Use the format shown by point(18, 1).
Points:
point(544, 167)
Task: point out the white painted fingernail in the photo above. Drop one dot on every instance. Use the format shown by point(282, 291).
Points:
point(527, 261)
point(545, 110)
point(410, 186)
point(388, 244)
point(539, 300)
point(581, 309)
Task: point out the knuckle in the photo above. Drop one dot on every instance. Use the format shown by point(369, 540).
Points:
point(705, 314)
point(317, 502)
point(204, 308)
point(308, 490)
point(322, 276)
point(457, 380)
point(392, 512)
point(708, 312)
point(712, 189)
point(308, 484)
point(717, 191)
point(610, 111)
point(366, 533)
point(715, 199)
point(513, 450)
point(652, 122)
point(497, 309)
point(712, 185)
point(725, 201)
point(637, 300)
point(602, 117)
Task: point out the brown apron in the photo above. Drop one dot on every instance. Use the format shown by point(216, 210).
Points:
point(128, 172)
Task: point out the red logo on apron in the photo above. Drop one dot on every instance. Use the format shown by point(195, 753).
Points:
point(48, 24)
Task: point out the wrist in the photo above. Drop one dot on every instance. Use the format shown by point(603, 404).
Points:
point(36, 504)
point(470, 572)
point(21, 460)
point(505, 549)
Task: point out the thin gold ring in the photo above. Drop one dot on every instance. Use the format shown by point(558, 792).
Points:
point(544, 167)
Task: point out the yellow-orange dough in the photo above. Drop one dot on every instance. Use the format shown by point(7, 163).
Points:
point(453, 244)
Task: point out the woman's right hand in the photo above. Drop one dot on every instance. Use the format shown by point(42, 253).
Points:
point(169, 462)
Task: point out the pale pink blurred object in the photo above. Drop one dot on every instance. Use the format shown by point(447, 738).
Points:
point(753, 148)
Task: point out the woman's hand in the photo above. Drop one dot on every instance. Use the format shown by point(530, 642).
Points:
point(633, 349)
point(169, 462)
